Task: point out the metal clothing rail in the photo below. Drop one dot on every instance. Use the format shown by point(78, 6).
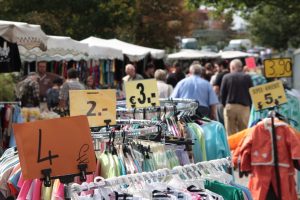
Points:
point(127, 179)
point(165, 100)
point(10, 102)
point(138, 121)
point(192, 106)
point(135, 132)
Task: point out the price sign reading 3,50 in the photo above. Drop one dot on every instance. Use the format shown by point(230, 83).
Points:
point(97, 105)
point(268, 95)
point(141, 94)
point(278, 67)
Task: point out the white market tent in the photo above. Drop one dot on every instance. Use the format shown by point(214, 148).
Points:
point(58, 48)
point(101, 49)
point(135, 52)
point(132, 51)
point(27, 35)
point(189, 54)
point(234, 54)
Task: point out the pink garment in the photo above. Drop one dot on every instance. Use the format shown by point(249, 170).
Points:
point(89, 179)
point(58, 190)
point(37, 190)
point(30, 192)
point(25, 187)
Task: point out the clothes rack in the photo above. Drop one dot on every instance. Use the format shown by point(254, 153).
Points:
point(11, 102)
point(119, 133)
point(76, 188)
point(191, 107)
point(138, 121)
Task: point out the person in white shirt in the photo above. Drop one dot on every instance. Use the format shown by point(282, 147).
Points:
point(165, 90)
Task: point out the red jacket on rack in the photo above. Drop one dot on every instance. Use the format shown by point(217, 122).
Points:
point(256, 156)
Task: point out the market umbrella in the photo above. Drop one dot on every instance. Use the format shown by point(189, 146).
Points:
point(27, 35)
point(101, 49)
point(58, 48)
point(234, 54)
point(189, 54)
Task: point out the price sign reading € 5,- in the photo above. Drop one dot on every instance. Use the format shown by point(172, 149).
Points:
point(98, 105)
point(141, 94)
point(59, 145)
point(278, 67)
point(268, 95)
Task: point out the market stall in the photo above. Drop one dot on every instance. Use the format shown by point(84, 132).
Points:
point(59, 48)
point(189, 54)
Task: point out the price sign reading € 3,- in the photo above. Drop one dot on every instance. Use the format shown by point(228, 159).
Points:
point(97, 105)
point(59, 145)
point(278, 67)
point(141, 94)
point(268, 95)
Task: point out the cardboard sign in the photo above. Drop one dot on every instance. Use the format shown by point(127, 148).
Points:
point(97, 105)
point(57, 144)
point(250, 62)
point(268, 95)
point(141, 94)
point(278, 67)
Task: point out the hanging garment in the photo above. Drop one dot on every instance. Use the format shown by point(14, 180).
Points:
point(216, 143)
point(290, 110)
point(256, 156)
point(10, 60)
point(226, 191)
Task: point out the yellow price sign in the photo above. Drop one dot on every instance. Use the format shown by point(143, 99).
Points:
point(98, 105)
point(278, 67)
point(141, 94)
point(268, 95)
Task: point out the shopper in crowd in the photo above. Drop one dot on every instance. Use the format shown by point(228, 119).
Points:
point(217, 70)
point(209, 71)
point(72, 83)
point(131, 74)
point(165, 90)
point(28, 91)
point(222, 68)
point(45, 79)
point(177, 76)
point(195, 87)
point(149, 71)
point(90, 83)
point(236, 98)
point(53, 94)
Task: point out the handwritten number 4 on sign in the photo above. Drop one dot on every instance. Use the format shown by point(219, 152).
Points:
point(50, 156)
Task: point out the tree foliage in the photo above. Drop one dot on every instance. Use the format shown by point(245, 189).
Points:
point(273, 23)
point(160, 21)
point(273, 27)
point(153, 23)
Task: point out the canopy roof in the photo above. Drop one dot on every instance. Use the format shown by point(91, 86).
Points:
point(234, 54)
point(188, 54)
point(58, 48)
point(27, 35)
point(132, 51)
point(101, 49)
point(135, 52)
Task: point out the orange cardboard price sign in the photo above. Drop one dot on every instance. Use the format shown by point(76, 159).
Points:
point(57, 144)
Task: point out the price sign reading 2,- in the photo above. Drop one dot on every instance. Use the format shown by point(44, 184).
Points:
point(278, 67)
point(97, 105)
point(141, 94)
